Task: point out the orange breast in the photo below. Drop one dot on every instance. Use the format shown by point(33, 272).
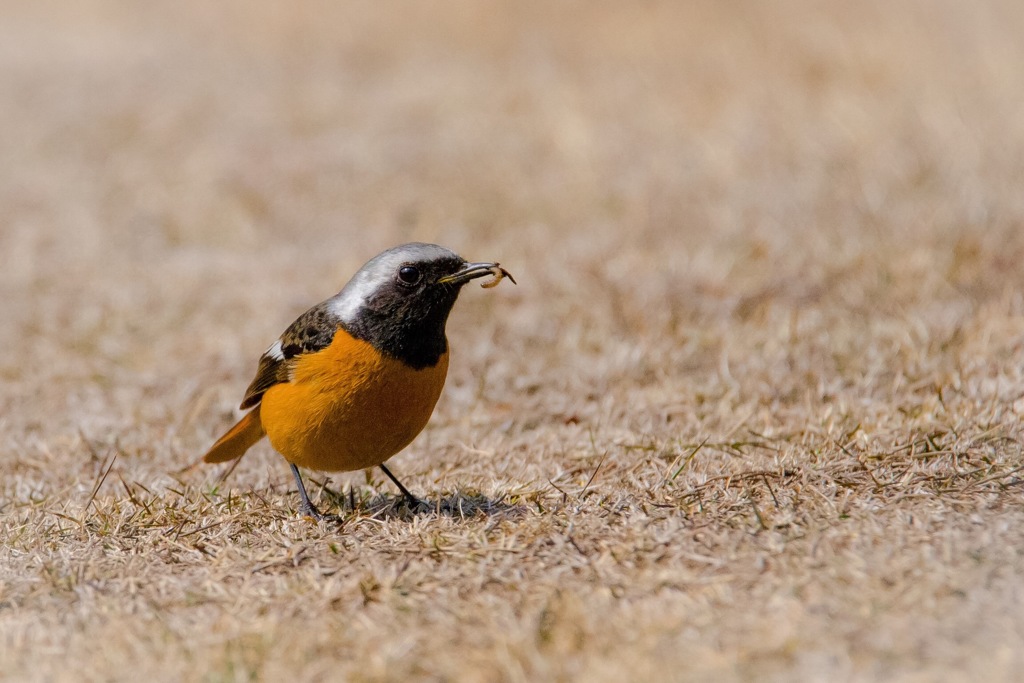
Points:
point(348, 407)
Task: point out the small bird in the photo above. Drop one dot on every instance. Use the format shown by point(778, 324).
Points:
point(355, 378)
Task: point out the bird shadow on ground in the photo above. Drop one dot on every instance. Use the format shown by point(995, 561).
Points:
point(460, 504)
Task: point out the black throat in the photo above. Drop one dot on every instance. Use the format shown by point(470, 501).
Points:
point(418, 342)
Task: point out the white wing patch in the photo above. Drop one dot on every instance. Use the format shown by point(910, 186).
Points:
point(275, 351)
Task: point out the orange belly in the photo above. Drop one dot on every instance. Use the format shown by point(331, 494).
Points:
point(348, 407)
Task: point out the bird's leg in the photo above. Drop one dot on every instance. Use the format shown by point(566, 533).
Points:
point(413, 500)
point(307, 508)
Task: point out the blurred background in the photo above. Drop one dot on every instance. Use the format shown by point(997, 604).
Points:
point(667, 180)
point(755, 402)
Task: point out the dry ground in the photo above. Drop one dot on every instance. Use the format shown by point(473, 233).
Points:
point(753, 412)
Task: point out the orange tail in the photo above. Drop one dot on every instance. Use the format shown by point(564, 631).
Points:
point(238, 439)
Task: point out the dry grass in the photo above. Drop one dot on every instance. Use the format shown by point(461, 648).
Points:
point(752, 413)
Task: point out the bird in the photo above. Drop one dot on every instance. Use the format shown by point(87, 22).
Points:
point(356, 377)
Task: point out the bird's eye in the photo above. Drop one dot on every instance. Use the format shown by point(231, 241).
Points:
point(409, 275)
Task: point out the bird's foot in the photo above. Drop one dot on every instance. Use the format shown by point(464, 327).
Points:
point(415, 504)
point(307, 509)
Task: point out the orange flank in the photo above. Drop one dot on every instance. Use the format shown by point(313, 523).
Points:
point(345, 407)
point(238, 439)
point(348, 406)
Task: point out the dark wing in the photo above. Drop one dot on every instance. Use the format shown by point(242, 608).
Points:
point(312, 331)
